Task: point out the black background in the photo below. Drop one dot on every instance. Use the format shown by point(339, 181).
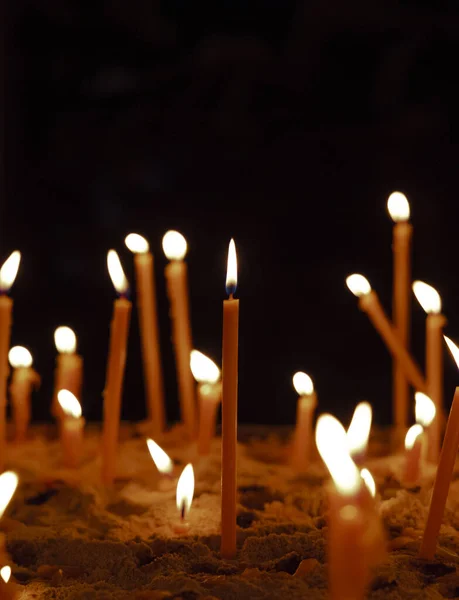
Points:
point(282, 124)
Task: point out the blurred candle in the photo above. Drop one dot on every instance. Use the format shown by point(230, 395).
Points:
point(414, 440)
point(184, 498)
point(303, 434)
point(358, 432)
point(7, 588)
point(72, 428)
point(148, 324)
point(229, 408)
point(23, 380)
point(430, 300)
point(175, 247)
point(8, 274)
point(116, 363)
point(8, 485)
point(425, 413)
point(207, 374)
point(69, 367)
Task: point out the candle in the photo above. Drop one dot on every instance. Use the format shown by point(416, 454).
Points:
point(229, 407)
point(414, 442)
point(115, 367)
point(175, 247)
point(7, 590)
point(444, 472)
point(8, 274)
point(8, 485)
point(399, 210)
point(430, 300)
point(69, 367)
point(303, 434)
point(23, 380)
point(369, 303)
point(425, 413)
point(207, 374)
point(184, 498)
point(358, 432)
point(72, 428)
point(148, 324)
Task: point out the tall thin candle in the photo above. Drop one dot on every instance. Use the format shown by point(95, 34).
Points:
point(303, 435)
point(68, 374)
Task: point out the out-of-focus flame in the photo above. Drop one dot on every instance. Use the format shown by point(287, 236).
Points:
point(174, 245)
point(412, 434)
point(358, 284)
point(19, 357)
point(69, 404)
point(8, 485)
point(303, 384)
point(116, 272)
point(9, 270)
point(424, 409)
point(203, 368)
point(453, 349)
point(65, 340)
point(231, 270)
point(136, 243)
point(369, 481)
point(162, 461)
point(359, 429)
point(5, 573)
point(398, 207)
point(185, 489)
point(427, 296)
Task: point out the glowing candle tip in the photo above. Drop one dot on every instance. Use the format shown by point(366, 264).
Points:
point(8, 485)
point(5, 573)
point(424, 409)
point(453, 349)
point(358, 284)
point(116, 272)
point(369, 481)
point(203, 368)
point(412, 434)
point(398, 207)
point(185, 490)
point(303, 384)
point(231, 271)
point(359, 429)
point(136, 243)
point(162, 460)
point(9, 271)
point(20, 357)
point(69, 404)
point(427, 296)
point(65, 340)
point(174, 245)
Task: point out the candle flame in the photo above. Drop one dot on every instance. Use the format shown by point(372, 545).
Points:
point(424, 409)
point(8, 485)
point(303, 384)
point(203, 368)
point(358, 284)
point(65, 340)
point(231, 269)
point(398, 207)
point(137, 243)
point(9, 270)
point(332, 445)
point(5, 573)
point(359, 429)
point(453, 349)
point(162, 461)
point(69, 404)
point(369, 481)
point(427, 296)
point(185, 489)
point(412, 434)
point(174, 245)
point(116, 272)
point(20, 357)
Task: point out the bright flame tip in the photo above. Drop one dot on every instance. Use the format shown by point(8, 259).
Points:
point(203, 368)
point(116, 272)
point(412, 434)
point(303, 384)
point(427, 296)
point(161, 459)
point(69, 404)
point(9, 270)
point(174, 245)
point(136, 243)
point(358, 284)
point(185, 489)
point(19, 356)
point(398, 207)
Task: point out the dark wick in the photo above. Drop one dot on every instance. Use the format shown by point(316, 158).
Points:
point(182, 511)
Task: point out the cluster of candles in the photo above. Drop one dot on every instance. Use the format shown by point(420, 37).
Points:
point(356, 540)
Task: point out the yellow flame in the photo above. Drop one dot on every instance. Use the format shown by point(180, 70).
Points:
point(5, 573)
point(162, 461)
point(303, 384)
point(369, 481)
point(359, 429)
point(69, 404)
point(20, 357)
point(358, 284)
point(453, 349)
point(398, 207)
point(65, 340)
point(231, 269)
point(8, 485)
point(174, 245)
point(137, 243)
point(427, 296)
point(9, 270)
point(412, 434)
point(424, 409)
point(116, 272)
point(332, 445)
point(203, 368)
point(185, 489)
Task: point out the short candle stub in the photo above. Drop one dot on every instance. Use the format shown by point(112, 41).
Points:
point(231, 271)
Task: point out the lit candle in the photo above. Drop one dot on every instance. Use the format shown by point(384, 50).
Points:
point(175, 247)
point(303, 434)
point(148, 324)
point(369, 303)
point(23, 380)
point(444, 472)
point(358, 432)
point(115, 367)
point(414, 441)
point(72, 428)
point(7, 590)
point(69, 366)
point(8, 485)
point(8, 274)
point(430, 300)
point(399, 210)
point(184, 498)
point(207, 374)
point(229, 407)
point(425, 413)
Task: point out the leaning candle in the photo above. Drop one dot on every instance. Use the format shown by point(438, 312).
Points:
point(175, 247)
point(229, 408)
point(69, 367)
point(23, 380)
point(184, 498)
point(8, 274)
point(414, 440)
point(116, 363)
point(369, 303)
point(303, 434)
point(149, 335)
point(425, 413)
point(358, 432)
point(207, 374)
point(72, 428)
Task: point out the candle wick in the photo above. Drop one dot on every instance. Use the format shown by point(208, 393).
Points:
point(182, 511)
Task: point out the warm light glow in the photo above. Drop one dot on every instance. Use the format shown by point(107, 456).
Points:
point(332, 445)
point(358, 284)
point(137, 243)
point(185, 489)
point(116, 272)
point(65, 340)
point(453, 349)
point(303, 384)
point(162, 461)
point(69, 404)
point(8, 485)
point(174, 245)
point(398, 207)
point(5, 573)
point(20, 357)
point(427, 296)
point(9, 270)
point(412, 434)
point(359, 429)
point(203, 368)
point(231, 269)
point(424, 409)
point(369, 481)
